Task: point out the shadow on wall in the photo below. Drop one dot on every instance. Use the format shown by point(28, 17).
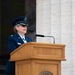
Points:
point(30, 12)
point(11, 9)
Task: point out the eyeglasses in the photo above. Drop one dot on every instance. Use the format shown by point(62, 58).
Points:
point(24, 25)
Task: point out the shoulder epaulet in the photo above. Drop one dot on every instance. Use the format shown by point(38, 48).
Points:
point(11, 35)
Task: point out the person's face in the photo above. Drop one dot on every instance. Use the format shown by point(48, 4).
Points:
point(21, 29)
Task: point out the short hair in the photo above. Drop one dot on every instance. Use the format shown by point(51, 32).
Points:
point(15, 28)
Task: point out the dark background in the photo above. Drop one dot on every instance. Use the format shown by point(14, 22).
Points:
point(9, 10)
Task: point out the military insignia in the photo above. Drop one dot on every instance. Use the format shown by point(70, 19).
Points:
point(45, 73)
point(11, 35)
point(19, 43)
point(25, 19)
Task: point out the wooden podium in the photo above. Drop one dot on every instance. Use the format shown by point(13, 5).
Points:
point(38, 59)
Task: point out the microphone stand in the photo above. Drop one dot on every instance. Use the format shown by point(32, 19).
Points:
point(52, 37)
point(46, 36)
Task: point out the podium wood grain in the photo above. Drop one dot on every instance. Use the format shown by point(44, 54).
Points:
point(33, 58)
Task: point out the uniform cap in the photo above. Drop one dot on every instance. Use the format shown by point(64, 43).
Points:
point(20, 20)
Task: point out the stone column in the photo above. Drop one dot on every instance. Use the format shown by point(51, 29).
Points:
point(73, 34)
point(57, 18)
point(48, 19)
point(66, 35)
point(43, 19)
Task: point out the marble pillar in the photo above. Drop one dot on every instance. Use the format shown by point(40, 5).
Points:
point(57, 18)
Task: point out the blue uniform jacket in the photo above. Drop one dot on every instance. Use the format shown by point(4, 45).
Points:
point(14, 41)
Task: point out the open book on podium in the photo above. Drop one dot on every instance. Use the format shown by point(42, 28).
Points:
point(35, 58)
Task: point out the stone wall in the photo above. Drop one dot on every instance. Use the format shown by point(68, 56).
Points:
point(57, 18)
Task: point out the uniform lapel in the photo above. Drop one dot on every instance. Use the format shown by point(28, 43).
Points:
point(19, 39)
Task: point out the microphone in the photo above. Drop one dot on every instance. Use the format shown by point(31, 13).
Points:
point(39, 35)
point(46, 36)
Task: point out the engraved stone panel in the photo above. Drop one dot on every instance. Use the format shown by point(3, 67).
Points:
point(45, 73)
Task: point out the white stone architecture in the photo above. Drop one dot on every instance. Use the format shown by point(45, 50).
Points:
point(57, 18)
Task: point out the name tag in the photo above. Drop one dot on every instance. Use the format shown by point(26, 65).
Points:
point(19, 43)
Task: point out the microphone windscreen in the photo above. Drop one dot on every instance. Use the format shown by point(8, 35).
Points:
point(39, 35)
